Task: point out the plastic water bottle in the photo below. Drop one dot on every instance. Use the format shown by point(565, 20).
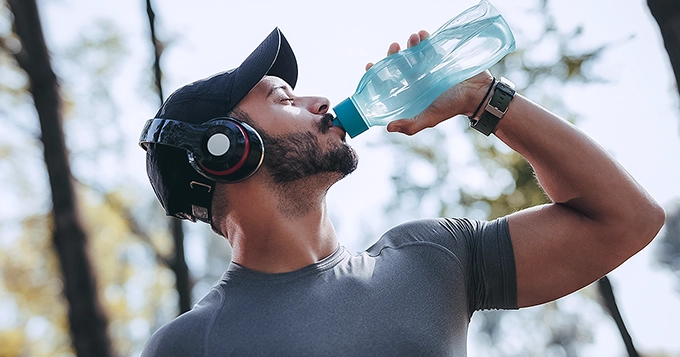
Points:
point(405, 83)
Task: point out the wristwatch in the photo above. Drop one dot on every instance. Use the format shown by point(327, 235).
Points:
point(496, 107)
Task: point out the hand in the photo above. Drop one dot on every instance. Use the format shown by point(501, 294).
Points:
point(413, 40)
point(459, 99)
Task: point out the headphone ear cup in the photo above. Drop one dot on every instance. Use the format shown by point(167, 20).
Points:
point(230, 151)
point(256, 152)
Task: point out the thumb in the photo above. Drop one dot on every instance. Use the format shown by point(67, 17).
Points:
point(411, 126)
point(434, 114)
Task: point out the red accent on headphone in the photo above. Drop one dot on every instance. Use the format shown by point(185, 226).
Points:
point(238, 165)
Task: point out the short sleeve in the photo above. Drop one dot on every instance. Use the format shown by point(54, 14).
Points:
point(482, 248)
point(491, 266)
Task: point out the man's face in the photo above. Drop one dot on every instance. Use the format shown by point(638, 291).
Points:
point(298, 135)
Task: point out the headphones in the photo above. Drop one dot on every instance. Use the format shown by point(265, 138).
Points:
point(222, 149)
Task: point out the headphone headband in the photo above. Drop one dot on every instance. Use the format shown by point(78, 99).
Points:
point(172, 133)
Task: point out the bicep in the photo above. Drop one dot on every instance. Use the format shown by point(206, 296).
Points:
point(558, 251)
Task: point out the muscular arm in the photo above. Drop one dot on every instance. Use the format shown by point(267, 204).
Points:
point(600, 216)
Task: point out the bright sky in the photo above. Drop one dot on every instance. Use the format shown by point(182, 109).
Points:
point(634, 116)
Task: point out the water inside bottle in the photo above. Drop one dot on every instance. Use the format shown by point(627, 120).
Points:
point(413, 75)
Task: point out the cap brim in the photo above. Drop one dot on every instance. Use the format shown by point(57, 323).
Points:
point(217, 95)
point(273, 57)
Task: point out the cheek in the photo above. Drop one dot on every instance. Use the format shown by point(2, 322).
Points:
point(294, 119)
point(290, 110)
point(280, 120)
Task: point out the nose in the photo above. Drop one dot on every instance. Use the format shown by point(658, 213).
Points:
point(318, 105)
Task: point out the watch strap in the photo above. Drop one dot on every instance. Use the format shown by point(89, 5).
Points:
point(496, 107)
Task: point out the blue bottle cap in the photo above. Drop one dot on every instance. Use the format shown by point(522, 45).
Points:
point(348, 117)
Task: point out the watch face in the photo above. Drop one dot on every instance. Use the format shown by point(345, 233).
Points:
point(505, 88)
point(507, 83)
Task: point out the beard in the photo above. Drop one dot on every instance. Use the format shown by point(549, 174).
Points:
point(292, 157)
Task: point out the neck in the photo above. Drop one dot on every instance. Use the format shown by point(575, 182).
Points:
point(279, 229)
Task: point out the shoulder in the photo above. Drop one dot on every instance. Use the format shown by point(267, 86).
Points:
point(446, 232)
point(464, 240)
point(185, 335)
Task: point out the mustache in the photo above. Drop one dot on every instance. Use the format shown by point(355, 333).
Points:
point(325, 123)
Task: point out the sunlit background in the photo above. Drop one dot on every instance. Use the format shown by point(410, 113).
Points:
point(624, 97)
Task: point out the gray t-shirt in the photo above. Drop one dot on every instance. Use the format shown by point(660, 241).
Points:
point(410, 294)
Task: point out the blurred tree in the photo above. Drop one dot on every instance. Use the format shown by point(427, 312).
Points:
point(184, 283)
point(87, 321)
point(668, 251)
point(607, 292)
point(667, 15)
point(38, 326)
point(135, 289)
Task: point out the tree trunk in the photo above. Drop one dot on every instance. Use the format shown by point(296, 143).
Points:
point(87, 320)
point(609, 301)
point(183, 282)
point(178, 264)
point(667, 15)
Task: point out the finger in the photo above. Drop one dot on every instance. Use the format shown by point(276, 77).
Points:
point(413, 40)
point(394, 48)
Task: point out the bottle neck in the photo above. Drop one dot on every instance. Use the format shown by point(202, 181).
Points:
point(349, 118)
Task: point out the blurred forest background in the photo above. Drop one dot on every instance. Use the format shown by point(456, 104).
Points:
point(89, 264)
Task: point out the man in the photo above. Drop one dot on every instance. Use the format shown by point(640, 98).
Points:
point(292, 290)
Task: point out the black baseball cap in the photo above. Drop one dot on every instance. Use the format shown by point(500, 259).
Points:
point(179, 188)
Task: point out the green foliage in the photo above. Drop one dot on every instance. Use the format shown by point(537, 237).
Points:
point(133, 284)
point(134, 287)
point(31, 281)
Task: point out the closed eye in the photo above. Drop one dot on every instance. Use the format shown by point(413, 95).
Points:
point(289, 100)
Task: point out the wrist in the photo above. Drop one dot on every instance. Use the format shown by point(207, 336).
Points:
point(477, 93)
point(480, 107)
point(495, 108)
